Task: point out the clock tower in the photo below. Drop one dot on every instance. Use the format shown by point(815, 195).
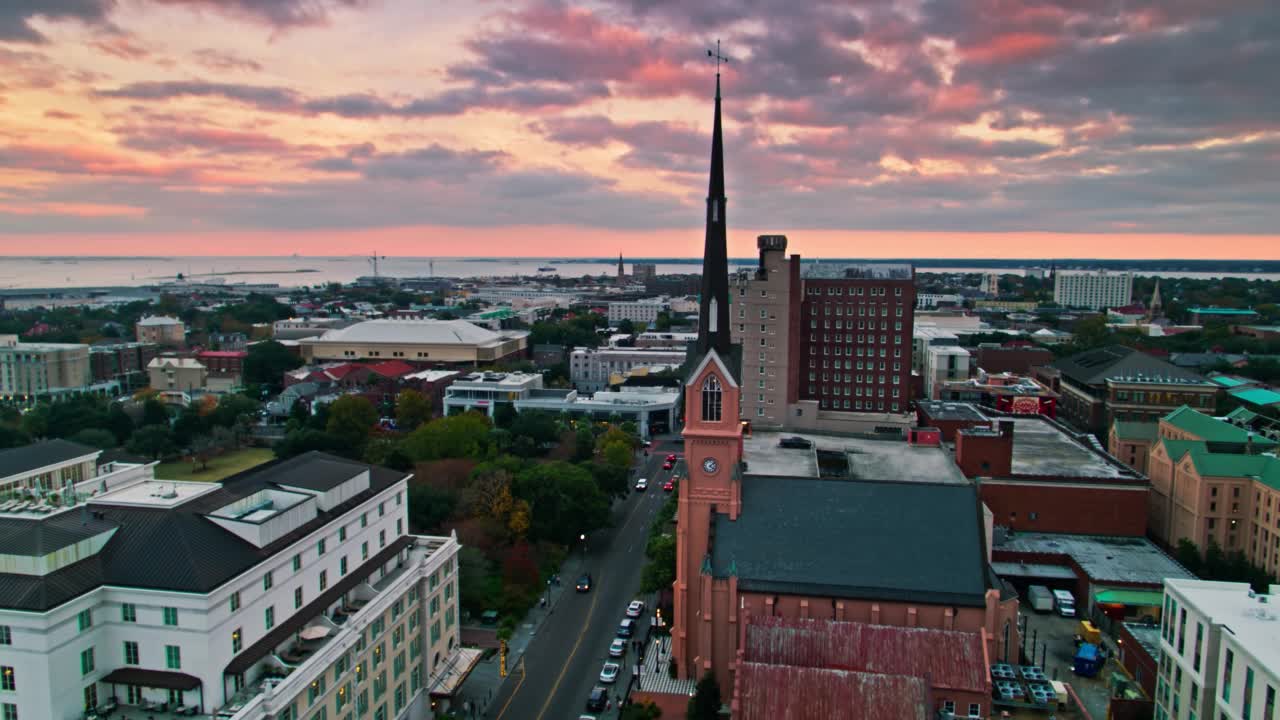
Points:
point(712, 452)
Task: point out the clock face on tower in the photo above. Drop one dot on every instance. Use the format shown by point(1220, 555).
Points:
point(710, 466)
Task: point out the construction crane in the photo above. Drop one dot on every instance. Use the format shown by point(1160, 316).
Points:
point(373, 260)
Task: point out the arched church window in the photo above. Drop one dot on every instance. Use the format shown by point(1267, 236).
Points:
point(711, 399)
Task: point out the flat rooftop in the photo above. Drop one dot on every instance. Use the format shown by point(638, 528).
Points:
point(1043, 448)
point(1103, 558)
point(939, 410)
point(868, 459)
point(156, 493)
point(1253, 621)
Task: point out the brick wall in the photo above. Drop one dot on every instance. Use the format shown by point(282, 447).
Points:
point(1059, 507)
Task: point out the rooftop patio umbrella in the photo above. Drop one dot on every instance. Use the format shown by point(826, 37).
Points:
point(315, 632)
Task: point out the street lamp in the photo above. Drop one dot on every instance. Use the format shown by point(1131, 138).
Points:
point(583, 539)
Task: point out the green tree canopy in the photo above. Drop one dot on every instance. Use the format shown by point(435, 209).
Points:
point(563, 499)
point(705, 703)
point(153, 441)
point(267, 362)
point(154, 412)
point(306, 440)
point(351, 418)
point(660, 571)
point(96, 437)
point(429, 507)
point(456, 436)
point(412, 409)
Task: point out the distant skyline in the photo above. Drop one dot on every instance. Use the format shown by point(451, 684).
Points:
point(537, 128)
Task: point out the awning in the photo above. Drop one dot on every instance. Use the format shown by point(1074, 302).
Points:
point(163, 679)
point(1132, 598)
point(456, 668)
point(282, 632)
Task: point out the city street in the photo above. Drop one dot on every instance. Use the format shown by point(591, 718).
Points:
point(563, 661)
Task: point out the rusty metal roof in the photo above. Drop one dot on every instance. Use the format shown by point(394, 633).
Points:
point(950, 659)
point(787, 692)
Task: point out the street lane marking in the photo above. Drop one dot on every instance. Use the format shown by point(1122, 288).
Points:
point(503, 711)
point(556, 687)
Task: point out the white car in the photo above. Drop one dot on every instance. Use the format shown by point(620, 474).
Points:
point(618, 647)
point(642, 484)
point(609, 673)
point(635, 609)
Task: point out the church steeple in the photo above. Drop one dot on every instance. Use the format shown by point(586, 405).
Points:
point(713, 315)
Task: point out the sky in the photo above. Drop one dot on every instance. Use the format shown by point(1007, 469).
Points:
point(872, 128)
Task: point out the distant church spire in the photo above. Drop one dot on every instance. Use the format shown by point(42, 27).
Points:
point(622, 275)
point(1156, 308)
point(713, 313)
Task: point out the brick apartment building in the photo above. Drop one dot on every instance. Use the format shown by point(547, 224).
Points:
point(824, 346)
point(122, 361)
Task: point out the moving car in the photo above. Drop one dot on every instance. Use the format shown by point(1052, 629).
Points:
point(584, 583)
point(618, 647)
point(609, 673)
point(669, 485)
point(642, 484)
point(626, 628)
point(635, 609)
point(795, 442)
point(672, 458)
point(598, 698)
point(667, 465)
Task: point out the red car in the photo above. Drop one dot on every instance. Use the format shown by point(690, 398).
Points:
point(667, 465)
point(669, 485)
point(671, 458)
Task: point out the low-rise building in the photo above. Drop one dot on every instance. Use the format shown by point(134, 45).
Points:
point(60, 472)
point(161, 330)
point(29, 370)
point(591, 369)
point(177, 374)
point(640, 312)
point(944, 364)
point(292, 589)
point(1219, 652)
point(644, 272)
point(653, 409)
point(1218, 316)
point(1006, 392)
point(124, 362)
point(658, 339)
point(298, 328)
point(424, 342)
point(1098, 387)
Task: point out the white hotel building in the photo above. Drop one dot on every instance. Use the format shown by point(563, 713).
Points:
point(168, 599)
point(1219, 652)
point(1093, 289)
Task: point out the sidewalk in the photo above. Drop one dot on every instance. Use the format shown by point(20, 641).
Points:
point(484, 682)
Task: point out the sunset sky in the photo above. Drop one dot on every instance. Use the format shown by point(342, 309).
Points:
point(927, 128)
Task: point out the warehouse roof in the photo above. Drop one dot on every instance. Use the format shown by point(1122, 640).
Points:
point(888, 540)
point(770, 692)
point(407, 332)
point(1117, 362)
point(1257, 396)
point(1131, 560)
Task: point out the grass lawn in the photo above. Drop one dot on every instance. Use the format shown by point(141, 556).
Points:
point(219, 467)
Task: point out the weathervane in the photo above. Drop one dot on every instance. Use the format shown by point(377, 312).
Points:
point(718, 57)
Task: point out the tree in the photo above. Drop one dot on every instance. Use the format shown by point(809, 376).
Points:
point(154, 412)
point(617, 455)
point(36, 421)
point(564, 501)
point(235, 409)
point(584, 444)
point(489, 494)
point(153, 441)
point(663, 322)
point(429, 507)
point(412, 409)
point(705, 703)
point(455, 436)
point(1091, 332)
point(119, 423)
point(1188, 555)
point(504, 414)
point(188, 425)
point(267, 362)
point(612, 480)
point(519, 567)
point(1215, 560)
point(96, 437)
point(660, 571)
point(12, 437)
point(352, 417)
point(627, 327)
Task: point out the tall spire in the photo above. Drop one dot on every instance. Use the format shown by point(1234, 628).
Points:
point(713, 313)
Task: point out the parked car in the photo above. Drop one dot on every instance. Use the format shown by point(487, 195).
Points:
point(635, 609)
point(609, 673)
point(584, 583)
point(598, 698)
point(642, 484)
point(669, 485)
point(618, 647)
point(626, 628)
point(795, 442)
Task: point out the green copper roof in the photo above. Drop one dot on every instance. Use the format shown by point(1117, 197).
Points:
point(1211, 429)
point(1228, 381)
point(1242, 414)
point(1134, 430)
point(1257, 396)
point(1264, 468)
point(1222, 311)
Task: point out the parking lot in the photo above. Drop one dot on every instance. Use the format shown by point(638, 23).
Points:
point(1052, 637)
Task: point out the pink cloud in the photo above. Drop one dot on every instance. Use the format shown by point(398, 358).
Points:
point(1010, 48)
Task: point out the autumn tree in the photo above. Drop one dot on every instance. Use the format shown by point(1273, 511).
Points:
point(412, 409)
point(352, 417)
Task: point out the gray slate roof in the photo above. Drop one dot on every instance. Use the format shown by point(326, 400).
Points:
point(41, 536)
point(23, 459)
point(1095, 367)
point(887, 540)
point(173, 549)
